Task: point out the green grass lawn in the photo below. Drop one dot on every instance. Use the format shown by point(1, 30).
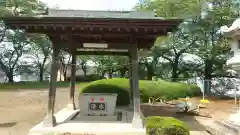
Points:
point(36, 85)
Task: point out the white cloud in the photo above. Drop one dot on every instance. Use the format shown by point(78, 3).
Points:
point(93, 4)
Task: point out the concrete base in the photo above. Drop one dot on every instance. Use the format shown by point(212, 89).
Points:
point(137, 123)
point(50, 121)
point(70, 123)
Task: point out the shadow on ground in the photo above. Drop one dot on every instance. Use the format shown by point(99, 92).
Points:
point(170, 111)
point(7, 125)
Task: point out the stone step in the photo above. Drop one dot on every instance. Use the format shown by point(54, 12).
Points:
point(230, 126)
point(221, 128)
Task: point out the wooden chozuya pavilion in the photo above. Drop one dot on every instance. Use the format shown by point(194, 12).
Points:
point(82, 32)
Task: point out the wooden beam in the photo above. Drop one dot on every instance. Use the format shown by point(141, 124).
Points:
point(102, 53)
point(125, 40)
point(119, 32)
point(137, 121)
point(130, 82)
point(50, 119)
point(109, 22)
point(66, 46)
point(112, 43)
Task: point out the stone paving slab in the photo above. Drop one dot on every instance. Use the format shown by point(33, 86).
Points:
point(199, 133)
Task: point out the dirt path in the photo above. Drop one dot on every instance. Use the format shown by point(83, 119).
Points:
point(21, 110)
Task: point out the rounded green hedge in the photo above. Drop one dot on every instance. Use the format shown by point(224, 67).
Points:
point(163, 89)
point(165, 126)
point(119, 86)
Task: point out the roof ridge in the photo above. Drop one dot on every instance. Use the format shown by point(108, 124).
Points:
point(114, 11)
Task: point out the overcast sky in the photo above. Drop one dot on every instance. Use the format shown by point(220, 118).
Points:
point(93, 4)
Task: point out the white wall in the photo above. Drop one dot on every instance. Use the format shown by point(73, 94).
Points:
point(27, 77)
point(2, 79)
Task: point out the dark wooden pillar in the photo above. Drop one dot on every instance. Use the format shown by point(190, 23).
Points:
point(50, 119)
point(71, 103)
point(130, 81)
point(137, 121)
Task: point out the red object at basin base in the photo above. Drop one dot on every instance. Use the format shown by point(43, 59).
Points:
point(92, 99)
point(101, 99)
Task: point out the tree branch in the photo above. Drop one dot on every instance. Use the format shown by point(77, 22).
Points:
point(3, 35)
point(167, 58)
point(10, 59)
point(175, 50)
point(188, 46)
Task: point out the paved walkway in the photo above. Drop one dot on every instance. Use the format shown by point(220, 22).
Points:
point(198, 133)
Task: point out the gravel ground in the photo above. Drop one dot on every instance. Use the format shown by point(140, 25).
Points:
point(21, 110)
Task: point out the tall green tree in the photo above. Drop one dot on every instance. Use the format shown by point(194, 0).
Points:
point(202, 22)
point(13, 48)
point(111, 64)
point(15, 41)
point(171, 8)
point(213, 47)
point(21, 8)
point(173, 48)
point(41, 50)
point(177, 43)
point(122, 63)
point(83, 61)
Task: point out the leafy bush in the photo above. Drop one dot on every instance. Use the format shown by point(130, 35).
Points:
point(163, 89)
point(165, 126)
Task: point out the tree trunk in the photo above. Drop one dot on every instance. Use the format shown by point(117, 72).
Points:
point(208, 77)
point(42, 69)
point(103, 73)
point(41, 74)
point(149, 72)
point(174, 70)
point(110, 73)
point(84, 73)
point(63, 70)
point(84, 68)
point(65, 75)
point(123, 71)
point(10, 77)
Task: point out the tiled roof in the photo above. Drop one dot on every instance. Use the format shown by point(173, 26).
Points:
point(100, 14)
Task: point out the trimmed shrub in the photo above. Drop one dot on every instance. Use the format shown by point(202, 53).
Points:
point(166, 90)
point(163, 89)
point(165, 126)
point(195, 89)
point(119, 86)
